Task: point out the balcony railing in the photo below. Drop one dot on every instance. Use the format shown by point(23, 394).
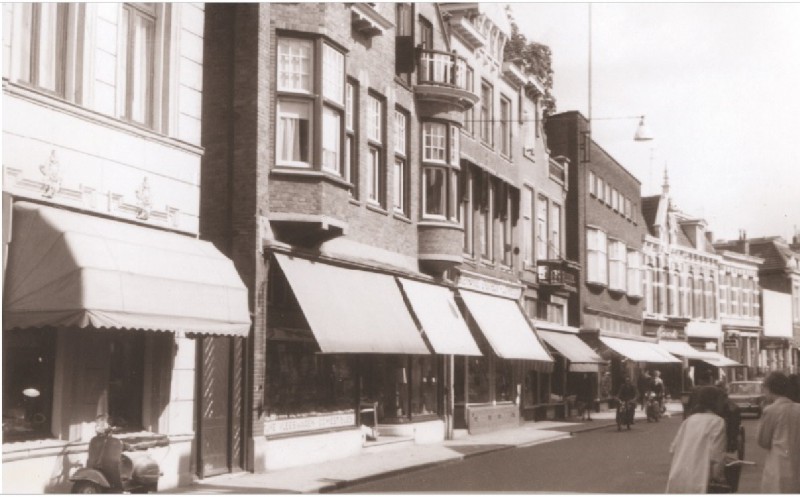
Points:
point(442, 68)
point(558, 273)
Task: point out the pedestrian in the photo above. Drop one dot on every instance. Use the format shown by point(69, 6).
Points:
point(587, 395)
point(627, 397)
point(644, 386)
point(698, 450)
point(779, 433)
point(794, 383)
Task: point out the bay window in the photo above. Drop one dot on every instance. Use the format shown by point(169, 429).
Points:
point(634, 273)
point(440, 163)
point(617, 258)
point(596, 258)
point(310, 93)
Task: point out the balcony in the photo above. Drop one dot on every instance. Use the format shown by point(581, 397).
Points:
point(558, 276)
point(442, 82)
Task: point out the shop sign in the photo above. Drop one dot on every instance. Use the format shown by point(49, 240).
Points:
point(309, 423)
point(481, 285)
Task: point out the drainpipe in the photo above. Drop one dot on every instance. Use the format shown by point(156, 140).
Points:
point(450, 404)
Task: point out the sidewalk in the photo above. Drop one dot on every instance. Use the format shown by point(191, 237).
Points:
point(383, 461)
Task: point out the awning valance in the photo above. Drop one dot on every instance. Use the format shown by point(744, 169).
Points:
point(703, 329)
point(717, 360)
point(352, 311)
point(639, 351)
point(71, 269)
point(582, 359)
point(505, 327)
point(440, 318)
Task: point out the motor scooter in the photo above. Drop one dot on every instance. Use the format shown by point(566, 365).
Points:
point(625, 412)
point(109, 470)
point(652, 407)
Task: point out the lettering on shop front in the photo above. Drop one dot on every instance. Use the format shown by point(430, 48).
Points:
point(489, 287)
point(310, 423)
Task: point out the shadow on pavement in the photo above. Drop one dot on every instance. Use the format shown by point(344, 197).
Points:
point(228, 489)
point(467, 450)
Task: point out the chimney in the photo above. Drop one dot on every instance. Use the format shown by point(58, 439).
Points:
point(795, 245)
point(710, 237)
point(744, 244)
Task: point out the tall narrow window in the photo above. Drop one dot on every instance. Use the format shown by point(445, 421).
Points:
point(487, 223)
point(555, 232)
point(351, 124)
point(467, 207)
point(542, 235)
point(334, 103)
point(44, 45)
point(295, 65)
point(435, 188)
point(596, 256)
point(469, 118)
point(331, 140)
point(486, 113)
point(434, 142)
point(139, 26)
point(649, 290)
point(674, 293)
point(527, 226)
point(592, 190)
point(507, 236)
point(293, 130)
point(505, 126)
point(400, 176)
point(404, 19)
point(617, 258)
point(634, 273)
point(375, 133)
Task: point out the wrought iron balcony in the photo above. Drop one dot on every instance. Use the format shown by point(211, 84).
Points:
point(558, 275)
point(442, 77)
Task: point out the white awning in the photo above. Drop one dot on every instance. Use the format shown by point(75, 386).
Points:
point(582, 359)
point(639, 351)
point(505, 327)
point(77, 270)
point(440, 318)
point(716, 359)
point(352, 311)
point(681, 349)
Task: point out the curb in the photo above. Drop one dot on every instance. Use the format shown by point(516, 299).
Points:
point(340, 485)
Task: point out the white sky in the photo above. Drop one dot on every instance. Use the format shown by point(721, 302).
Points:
point(719, 84)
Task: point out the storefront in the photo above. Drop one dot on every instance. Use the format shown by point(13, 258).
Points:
point(742, 345)
point(99, 318)
point(348, 360)
point(578, 370)
point(671, 330)
point(491, 389)
point(777, 341)
point(701, 367)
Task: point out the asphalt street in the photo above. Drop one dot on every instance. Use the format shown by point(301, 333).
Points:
point(599, 461)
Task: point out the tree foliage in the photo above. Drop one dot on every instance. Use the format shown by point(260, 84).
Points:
point(534, 58)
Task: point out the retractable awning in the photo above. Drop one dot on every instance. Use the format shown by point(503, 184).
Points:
point(582, 359)
point(639, 351)
point(681, 349)
point(505, 327)
point(440, 318)
point(352, 311)
point(77, 270)
point(717, 360)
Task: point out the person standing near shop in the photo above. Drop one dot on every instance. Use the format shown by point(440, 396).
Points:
point(698, 450)
point(779, 433)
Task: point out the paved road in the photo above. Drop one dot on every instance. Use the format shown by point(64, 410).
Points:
point(600, 461)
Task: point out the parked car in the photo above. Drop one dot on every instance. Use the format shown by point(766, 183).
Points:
point(747, 395)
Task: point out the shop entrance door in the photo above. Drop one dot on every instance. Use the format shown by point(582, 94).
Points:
point(220, 406)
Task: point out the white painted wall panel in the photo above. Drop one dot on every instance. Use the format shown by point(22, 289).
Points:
point(104, 98)
point(191, 74)
point(188, 128)
point(191, 46)
point(8, 10)
point(105, 67)
point(108, 11)
point(192, 19)
point(189, 102)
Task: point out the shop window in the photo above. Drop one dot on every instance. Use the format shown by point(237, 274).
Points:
point(505, 390)
point(28, 360)
point(424, 386)
point(478, 372)
point(44, 45)
point(126, 380)
point(301, 381)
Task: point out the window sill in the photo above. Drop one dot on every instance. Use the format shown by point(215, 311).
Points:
point(402, 217)
point(78, 111)
point(376, 208)
point(355, 201)
point(309, 172)
point(616, 291)
point(596, 284)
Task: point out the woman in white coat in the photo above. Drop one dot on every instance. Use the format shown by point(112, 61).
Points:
point(698, 451)
point(779, 433)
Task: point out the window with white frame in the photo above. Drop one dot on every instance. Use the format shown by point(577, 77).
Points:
point(295, 65)
point(294, 133)
point(689, 296)
point(596, 256)
point(592, 180)
point(649, 289)
point(469, 118)
point(331, 140)
point(745, 297)
point(711, 297)
point(486, 114)
point(455, 145)
point(617, 260)
point(375, 133)
point(734, 303)
point(505, 126)
point(614, 199)
point(555, 231)
point(527, 226)
point(434, 142)
point(467, 205)
point(350, 147)
point(487, 223)
point(400, 176)
point(434, 199)
point(673, 291)
point(608, 194)
point(507, 235)
point(44, 45)
point(332, 74)
point(697, 292)
point(138, 55)
point(542, 233)
point(634, 273)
